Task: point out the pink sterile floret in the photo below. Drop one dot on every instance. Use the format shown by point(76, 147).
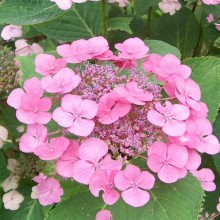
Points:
point(25, 49)
point(31, 86)
point(210, 18)
point(194, 160)
point(132, 49)
point(82, 50)
point(111, 107)
point(47, 64)
point(206, 177)
point(171, 70)
point(170, 118)
point(63, 4)
point(208, 143)
point(11, 31)
point(104, 180)
point(168, 161)
point(188, 93)
point(41, 177)
point(202, 113)
point(35, 136)
point(65, 164)
point(103, 215)
point(211, 2)
point(52, 150)
point(92, 157)
point(134, 184)
point(152, 62)
point(34, 110)
point(75, 114)
point(62, 82)
point(133, 94)
point(49, 191)
point(169, 6)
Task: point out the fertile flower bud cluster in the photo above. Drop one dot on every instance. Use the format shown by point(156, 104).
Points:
point(9, 75)
point(109, 111)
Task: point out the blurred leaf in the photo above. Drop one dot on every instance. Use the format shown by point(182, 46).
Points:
point(162, 48)
point(23, 12)
point(141, 6)
point(120, 23)
point(29, 210)
point(206, 72)
point(4, 173)
point(83, 21)
point(180, 30)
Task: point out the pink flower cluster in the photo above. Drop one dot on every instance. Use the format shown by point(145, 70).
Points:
point(104, 118)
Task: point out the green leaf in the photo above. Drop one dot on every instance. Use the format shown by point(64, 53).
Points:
point(29, 210)
point(23, 12)
point(141, 6)
point(83, 21)
point(206, 72)
point(4, 173)
point(212, 9)
point(119, 23)
point(27, 67)
point(162, 48)
point(179, 201)
point(180, 30)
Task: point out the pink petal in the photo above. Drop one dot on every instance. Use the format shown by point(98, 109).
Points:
point(82, 171)
point(92, 149)
point(212, 144)
point(110, 196)
point(103, 215)
point(146, 180)
point(158, 148)
point(194, 160)
point(63, 118)
point(33, 86)
point(15, 97)
point(65, 168)
point(26, 117)
point(71, 102)
point(209, 186)
point(180, 112)
point(168, 174)
point(174, 127)
point(177, 155)
point(42, 117)
point(156, 118)
point(132, 173)
point(82, 127)
point(88, 109)
point(155, 162)
point(135, 197)
point(110, 164)
point(121, 182)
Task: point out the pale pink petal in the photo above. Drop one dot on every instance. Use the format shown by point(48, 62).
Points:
point(155, 162)
point(174, 127)
point(209, 186)
point(156, 118)
point(82, 171)
point(121, 182)
point(110, 196)
point(146, 180)
point(82, 127)
point(15, 97)
point(65, 168)
point(168, 174)
point(103, 215)
point(110, 164)
point(177, 155)
point(132, 173)
point(194, 160)
point(63, 118)
point(135, 197)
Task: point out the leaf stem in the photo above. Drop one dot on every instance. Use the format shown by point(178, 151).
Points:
point(104, 18)
point(149, 21)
